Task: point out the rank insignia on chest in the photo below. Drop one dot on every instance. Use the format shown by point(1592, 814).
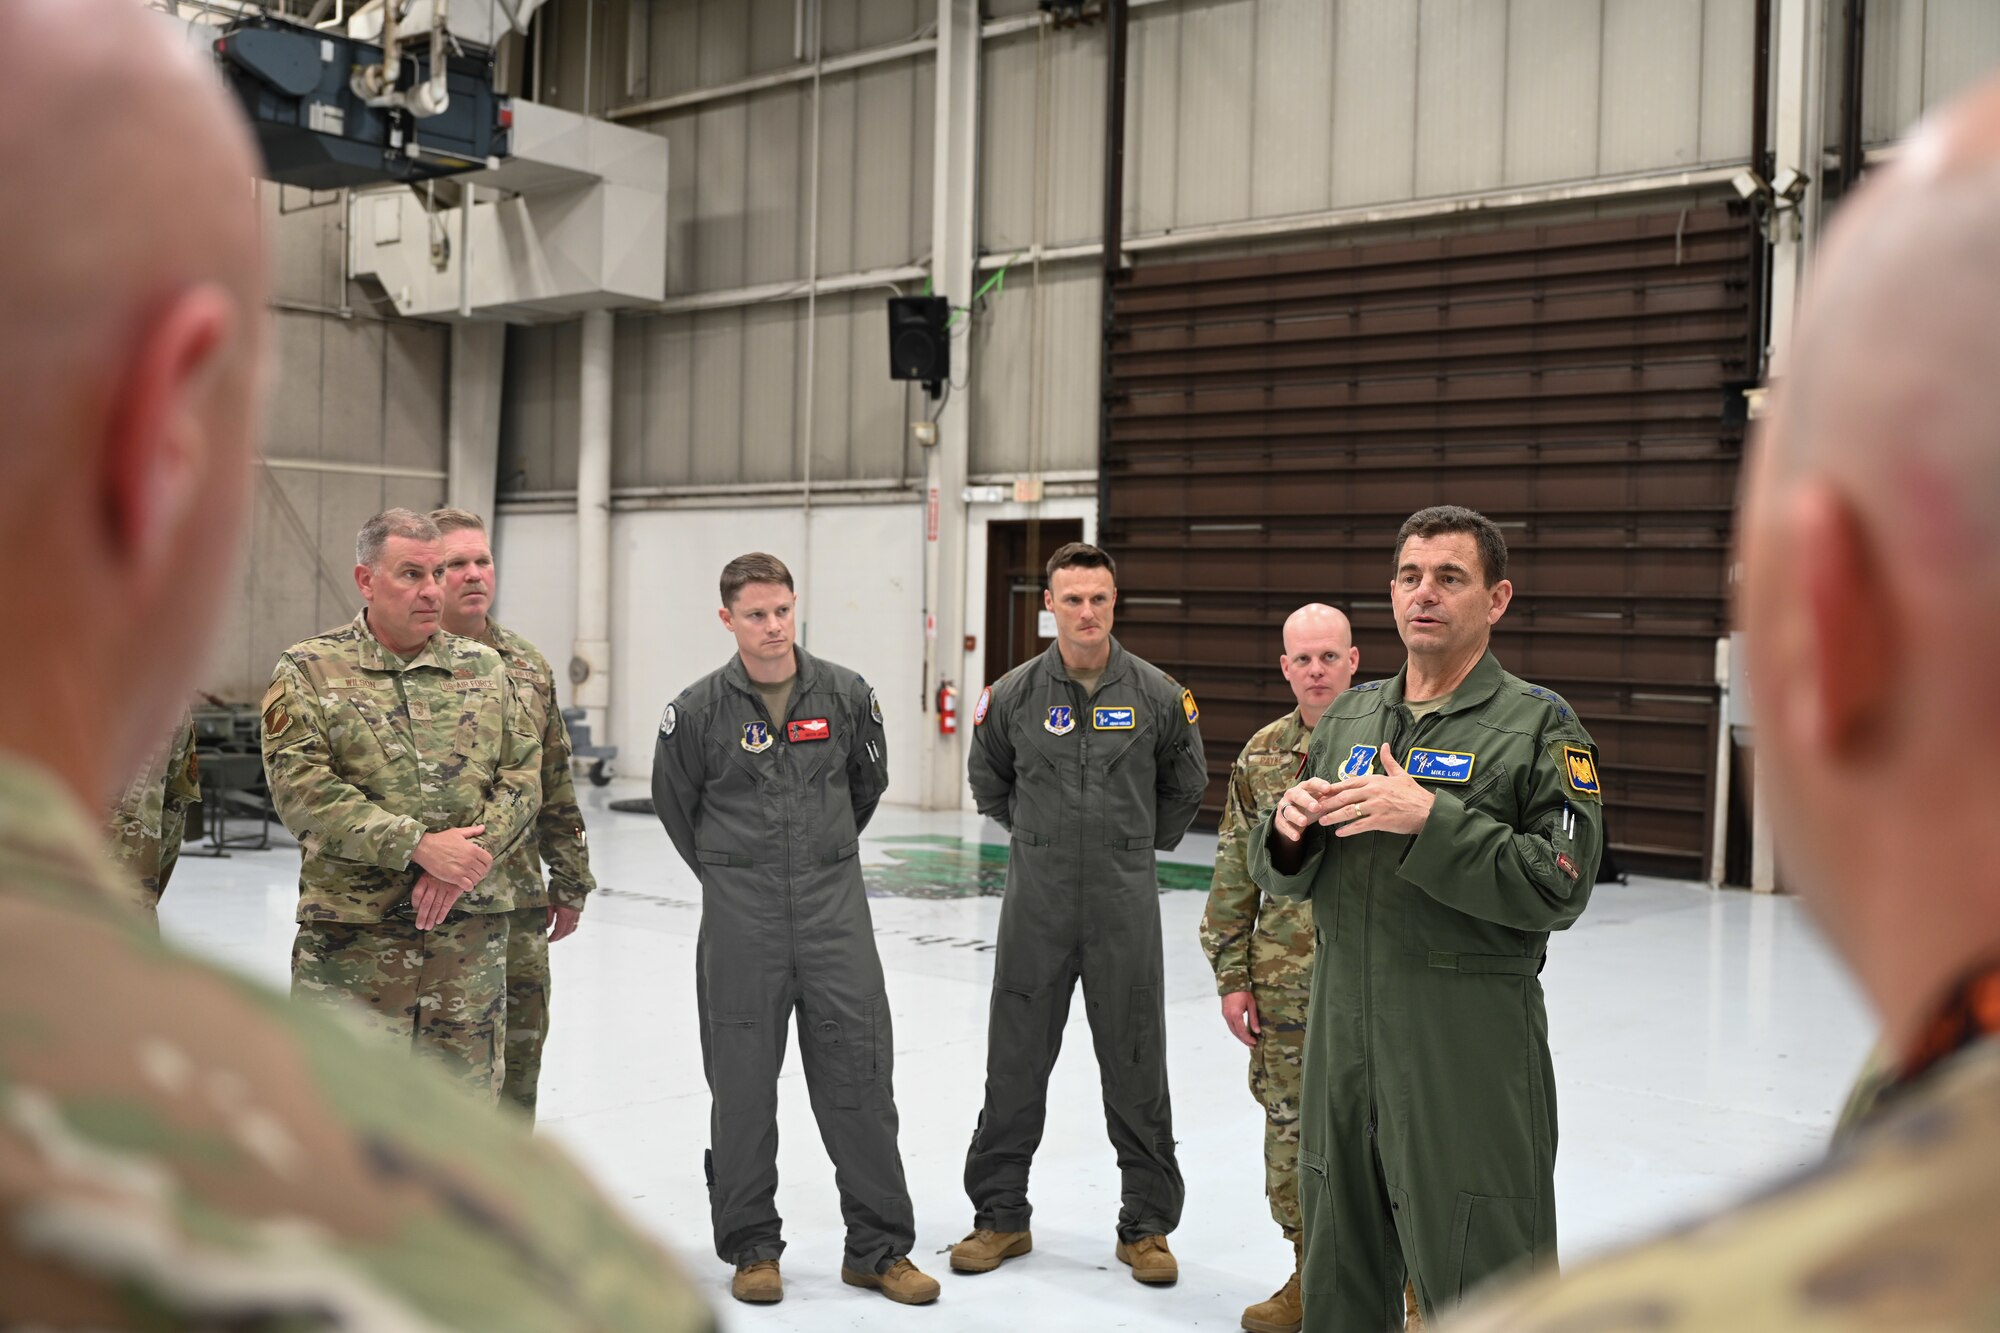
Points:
point(1061, 720)
point(1113, 719)
point(985, 702)
point(1440, 765)
point(420, 711)
point(756, 737)
point(1359, 760)
point(1581, 770)
point(808, 729)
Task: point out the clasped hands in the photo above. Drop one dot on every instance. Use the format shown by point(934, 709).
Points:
point(1387, 802)
point(452, 863)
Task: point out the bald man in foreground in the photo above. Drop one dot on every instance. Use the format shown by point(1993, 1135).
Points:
point(1262, 947)
point(180, 1148)
point(1871, 598)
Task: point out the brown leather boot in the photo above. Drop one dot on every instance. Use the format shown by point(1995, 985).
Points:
point(1283, 1313)
point(900, 1282)
point(758, 1283)
point(1150, 1260)
point(1413, 1317)
point(983, 1251)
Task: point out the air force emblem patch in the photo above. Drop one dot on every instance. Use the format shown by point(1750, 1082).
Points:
point(1359, 760)
point(668, 719)
point(1581, 770)
point(1440, 765)
point(756, 737)
point(1061, 721)
point(1113, 719)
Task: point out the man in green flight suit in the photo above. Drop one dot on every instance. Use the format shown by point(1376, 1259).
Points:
point(1090, 758)
point(543, 912)
point(1451, 819)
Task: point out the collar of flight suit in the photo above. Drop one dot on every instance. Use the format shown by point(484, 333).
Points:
point(805, 679)
point(374, 655)
point(48, 834)
point(1114, 669)
point(1480, 685)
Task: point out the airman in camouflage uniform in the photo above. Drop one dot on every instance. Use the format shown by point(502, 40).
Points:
point(372, 757)
point(1870, 504)
point(182, 1149)
point(544, 913)
point(149, 822)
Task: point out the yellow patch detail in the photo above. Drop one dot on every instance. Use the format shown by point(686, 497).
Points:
point(1188, 706)
point(1582, 770)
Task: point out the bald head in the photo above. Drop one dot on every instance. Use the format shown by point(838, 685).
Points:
point(1319, 659)
point(1871, 587)
point(131, 336)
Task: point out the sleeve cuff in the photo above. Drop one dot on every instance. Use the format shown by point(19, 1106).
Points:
point(402, 847)
point(571, 896)
point(1231, 982)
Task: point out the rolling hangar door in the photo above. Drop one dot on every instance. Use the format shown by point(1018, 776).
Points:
point(1274, 419)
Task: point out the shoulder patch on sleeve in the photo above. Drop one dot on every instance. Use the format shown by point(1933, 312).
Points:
point(985, 702)
point(874, 707)
point(1578, 768)
point(1188, 706)
point(669, 720)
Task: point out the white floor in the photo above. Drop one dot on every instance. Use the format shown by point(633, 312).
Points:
point(1702, 1042)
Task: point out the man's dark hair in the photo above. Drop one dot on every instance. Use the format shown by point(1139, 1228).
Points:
point(1080, 555)
point(1439, 520)
point(755, 567)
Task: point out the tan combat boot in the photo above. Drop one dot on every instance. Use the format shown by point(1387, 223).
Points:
point(1281, 1314)
point(983, 1251)
point(1413, 1317)
point(901, 1283)
point(758, 1283)
point(1150, 1260)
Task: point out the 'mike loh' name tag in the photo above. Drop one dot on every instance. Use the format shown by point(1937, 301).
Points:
point(1440, 765)
point(1113, 719)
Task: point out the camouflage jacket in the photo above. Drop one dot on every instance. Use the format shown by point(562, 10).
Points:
point(365, 753)
point(1894, 1230)
point(181, 1148)
point(1251, 939)
point(150, 819)
point(558, 838)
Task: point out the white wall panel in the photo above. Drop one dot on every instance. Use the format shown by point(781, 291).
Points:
point(1553, 50)
point(1004, 388)
point(1218, 49)
point(1728, 55)
point(1650, 112)
point(1461, 95)
point(1961, 46)
point(1152, 120)
point(860, 591)
point(1374, 103)
point(1291, 125)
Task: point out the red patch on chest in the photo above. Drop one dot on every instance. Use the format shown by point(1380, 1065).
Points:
point(808, 729)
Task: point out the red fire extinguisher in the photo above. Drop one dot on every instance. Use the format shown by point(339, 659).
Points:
point(947, 709)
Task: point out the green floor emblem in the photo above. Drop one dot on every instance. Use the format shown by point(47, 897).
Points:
point(932, 865)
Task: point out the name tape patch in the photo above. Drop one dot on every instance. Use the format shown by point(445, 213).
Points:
point(808, 729)
point(1440, 765)
point(1113, 719)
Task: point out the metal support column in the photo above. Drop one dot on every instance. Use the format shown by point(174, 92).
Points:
point(954, 257)
point(472, 428)
point(590, 666)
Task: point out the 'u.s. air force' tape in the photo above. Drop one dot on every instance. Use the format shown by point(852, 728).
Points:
point(1440, 765)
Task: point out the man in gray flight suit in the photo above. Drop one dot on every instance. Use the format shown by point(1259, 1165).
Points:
point(764, 774)
point(1091, 759)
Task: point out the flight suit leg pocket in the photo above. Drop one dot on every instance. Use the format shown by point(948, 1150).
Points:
point(837, 1046)
point(1490, 1234)
point(1317, 1242)
point(1145, 1026)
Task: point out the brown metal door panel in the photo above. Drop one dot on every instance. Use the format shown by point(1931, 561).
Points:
point(1276, 417)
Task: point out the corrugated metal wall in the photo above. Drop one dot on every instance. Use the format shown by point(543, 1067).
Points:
point(1278, 419)
point(360, 392)
point(1918, 54)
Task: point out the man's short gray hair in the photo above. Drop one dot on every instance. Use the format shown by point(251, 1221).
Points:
point(377, 531)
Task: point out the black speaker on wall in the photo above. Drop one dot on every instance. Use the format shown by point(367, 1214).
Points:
point(919, 342)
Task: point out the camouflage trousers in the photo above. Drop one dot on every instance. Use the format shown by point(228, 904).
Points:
point(441, 992)
point(527, 1004)
point(1277, 1075)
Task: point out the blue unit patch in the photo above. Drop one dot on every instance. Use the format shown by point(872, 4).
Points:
point(1061, 720)
point(1359, 761)
point(756, 737)
point(1440, 765)
point(1113, 719)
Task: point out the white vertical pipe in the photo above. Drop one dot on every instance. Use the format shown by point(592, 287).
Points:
point(593, 528)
